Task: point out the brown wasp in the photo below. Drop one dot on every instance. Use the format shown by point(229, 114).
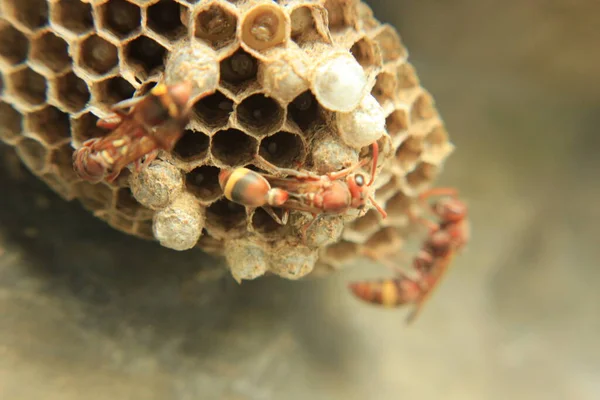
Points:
point(331, 193)
point(140, 127)
point(445, 239)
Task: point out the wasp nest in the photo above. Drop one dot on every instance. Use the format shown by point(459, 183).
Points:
point(308, 83)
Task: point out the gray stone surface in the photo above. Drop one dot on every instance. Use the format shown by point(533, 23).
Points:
point(87, 312)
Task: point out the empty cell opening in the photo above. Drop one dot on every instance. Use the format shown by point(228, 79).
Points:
point(73, 93)
point(33, 154)
point(75, 15)
point(120, 223)
point(304, 110)
point(192, 145)
point(98, 56)
point(203, 182)
point(409, 152)
point(13, 44)
point(390, 44)
point(233, 147)
point(51, 124)
point(259, 114)
point(29, 86)
point(396, 122)
point(144, 229)
point(238, 70)
point(120, 17)
point(422, 108)
point(31, 13)
point(366, 223)
point(216, 26)
point(264, 224)
point(366, 53)
point(63, 159)
point(407, 77)
point(342, 251)
point(114, 90)
point(11, 122)
point(226, 215)
point(85, 128)
point(437, 137)
point(336, 12)
point(421, 175)
point(146, 54)
point(384, 88)
point(126, 204)
point(51, 51)
point(398, 205)
point(214, 110)
point(303, 23)
point(163, 18)
point(387, 190)
point(386, 241)
point(283, 149)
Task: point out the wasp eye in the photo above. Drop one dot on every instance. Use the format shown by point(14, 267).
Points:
point(359, 180)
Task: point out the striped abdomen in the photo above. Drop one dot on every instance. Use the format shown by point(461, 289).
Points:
point(387, 292)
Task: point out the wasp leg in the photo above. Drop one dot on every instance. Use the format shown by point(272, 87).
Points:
point(125, 104)
point(307, 226)
point(111, 177)
point(144, 162)
point(110, 122)
point(346, 171)
point(303, 174)
point(281, 221)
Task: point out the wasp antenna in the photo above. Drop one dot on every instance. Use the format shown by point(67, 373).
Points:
point(378, 207)
point(375, 157)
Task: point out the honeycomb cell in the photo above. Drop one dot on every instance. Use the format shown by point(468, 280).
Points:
point(156, 185)
point(179, 226)
point(421, 175)
point(259, 114)
point(330, 154)
point(50, 124)
point(363, 126)
point(28, 86)
point(120, 18)
point(422, 109)
point(398, 206)
point(12, 121)
point(265, 225)
point(13, 44)
point(112, 91)
point(305, 111)
point(409, 152)
point(62, 158)
point(30, 14)
point(164, 19)
point(214, 110)
point(323, 231)
point(216, 25)
point(437, 137)
point(94, 197)
point(367, 224)
point(98, 56)
point(366, 52)
point(238, 71)
point(246, 258)
point(233, 148)
point(390, 44)
point(33, 154)
point(74, 15)
point(145, 55)
point(264, 26)
point(407, 76)
point(192, 146)
point(225, 218)
point(385, 242)
point(283, 149)
point(126, 204)
point(292, 261)
point(50, 51)
point(397, 122)
point(340, 14)
point(285, 75)
point(341, 252)
point(71, 92)
point(84, 128)
point(119, 222)
point(309, 24)
point(203, 182)
point(384, 89)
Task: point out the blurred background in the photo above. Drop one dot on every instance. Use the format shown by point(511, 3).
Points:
point(88, 312)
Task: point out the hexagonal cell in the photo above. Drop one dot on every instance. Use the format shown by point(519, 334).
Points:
point(94, 197)
point(62, 158)
point(225, 217)
point(422, 175)
point(203, 182)
point(238, 71)
point(192, 146)
point(437, 137)
point(97, 55)
point(409, 152)
point(407, 76)
point(12, 122)
point(367, 223)
point(398, 205)
point(120, 17)
point(84, 128)
point(32, 14)
point(119, 222)
point(126, 204)
point(283, 149)
point(214, 110)
point(397, 122)
point(216, 25)
point(341, 252)
point(163, 18)
point(422, 109)
point(389, 43)
point(146, 55)
point(264, 26)
point(32, 153)
point(28, 85)
point(304, 23)
point(340, 13)
point(366, 52)
point(264, 224)
point(384, 88)
point(112, 91)
point(50, 51)
point(143, 229)
point(13, 44)
point(233, 147)
point(72, 92)
point(305, 111)
point(384, 243)
point(73, 15)
point(51, 124)
point(259, 114)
